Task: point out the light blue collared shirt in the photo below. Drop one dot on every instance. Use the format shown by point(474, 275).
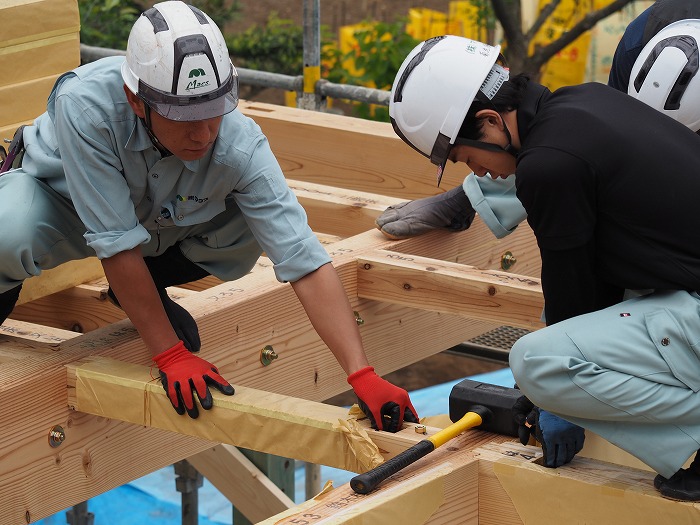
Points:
point(92, 149)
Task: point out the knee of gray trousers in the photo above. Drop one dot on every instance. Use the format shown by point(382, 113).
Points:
point(538, 382)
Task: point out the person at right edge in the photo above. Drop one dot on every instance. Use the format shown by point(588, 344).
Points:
point(662, 304)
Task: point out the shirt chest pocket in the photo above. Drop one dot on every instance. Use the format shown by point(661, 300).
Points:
point(195, 210)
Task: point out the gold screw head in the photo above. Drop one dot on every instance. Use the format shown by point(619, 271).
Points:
point(268, 355)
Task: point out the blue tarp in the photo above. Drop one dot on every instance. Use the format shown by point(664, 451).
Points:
point(153, 500)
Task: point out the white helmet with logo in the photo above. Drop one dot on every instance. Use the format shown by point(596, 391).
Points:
point(434, 89)
point(177, 62)
point(665, 75)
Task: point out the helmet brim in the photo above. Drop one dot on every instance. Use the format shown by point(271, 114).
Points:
point(190, 108)
point(202, 111)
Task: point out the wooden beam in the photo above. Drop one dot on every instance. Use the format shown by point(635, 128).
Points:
point(346, 152)
point(241, 482)
point(441, 488)
point(81, 308)
point(514, 488)
point(439, 286)
point(35, 334)
point(236, 320)
point(253, 419)
point(61, 278)
point(497, 482)
point(339, 211)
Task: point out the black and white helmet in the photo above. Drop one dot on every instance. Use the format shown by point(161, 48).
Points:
point(665, 75)
point(435, 87)
point(177, 62)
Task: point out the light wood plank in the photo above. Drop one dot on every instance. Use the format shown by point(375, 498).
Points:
point(438, 286)
point(241, 482)
point(38, 334)
point(441, 488)
point(514, 488)
point(346, 152)
point(497, 482)
point(61, 278)
point(340, 212)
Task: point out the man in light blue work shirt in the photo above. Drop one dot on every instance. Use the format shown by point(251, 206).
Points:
point(144, 162)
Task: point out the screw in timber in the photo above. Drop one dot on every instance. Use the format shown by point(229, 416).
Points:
point(508, 260)
point(358, 318)
point(56, 436)
point(268, 355)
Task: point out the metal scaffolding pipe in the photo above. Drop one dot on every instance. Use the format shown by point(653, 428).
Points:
point(310, 99)
point(349, 92)
point(252, 77)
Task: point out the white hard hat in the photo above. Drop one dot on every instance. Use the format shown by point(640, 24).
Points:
point(177, 62)
point(664, 76)
point(434, 88)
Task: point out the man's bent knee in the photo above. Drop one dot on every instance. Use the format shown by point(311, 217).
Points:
point(535, 362)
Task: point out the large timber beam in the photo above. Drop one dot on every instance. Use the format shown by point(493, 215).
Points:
point(345, 152)
point(497, 483)
point(236, 320)
point(339, 211)
point(250, 491)
point(253, 419)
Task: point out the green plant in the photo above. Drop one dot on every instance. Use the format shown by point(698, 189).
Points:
point(220, 11)
point(277, 46)
point(106, 23)
point(380, 50)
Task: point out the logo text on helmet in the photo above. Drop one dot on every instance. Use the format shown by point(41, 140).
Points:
point(196, 84)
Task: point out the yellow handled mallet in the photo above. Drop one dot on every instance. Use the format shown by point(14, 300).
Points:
point(472, 405)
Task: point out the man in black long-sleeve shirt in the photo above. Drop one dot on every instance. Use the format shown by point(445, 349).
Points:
point(610, 187)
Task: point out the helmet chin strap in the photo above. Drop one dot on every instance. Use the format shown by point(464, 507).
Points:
point(146, 121)
point(509, 147)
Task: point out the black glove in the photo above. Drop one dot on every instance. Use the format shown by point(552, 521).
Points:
point(182, 322)
point(8, 300)
point(560, 440)
point(450, 210)
point(172, 268)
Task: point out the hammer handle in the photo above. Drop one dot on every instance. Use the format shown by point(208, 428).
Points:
point(367, 482)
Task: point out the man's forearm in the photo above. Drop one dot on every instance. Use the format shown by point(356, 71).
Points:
point(322, 295)
point(131, 282)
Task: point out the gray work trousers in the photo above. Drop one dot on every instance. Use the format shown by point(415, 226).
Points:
point(630, 373)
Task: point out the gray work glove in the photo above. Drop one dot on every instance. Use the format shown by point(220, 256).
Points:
point(450, 210)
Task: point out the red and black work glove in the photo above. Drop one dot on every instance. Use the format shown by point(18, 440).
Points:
point(387, 406)
point(183, 375)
